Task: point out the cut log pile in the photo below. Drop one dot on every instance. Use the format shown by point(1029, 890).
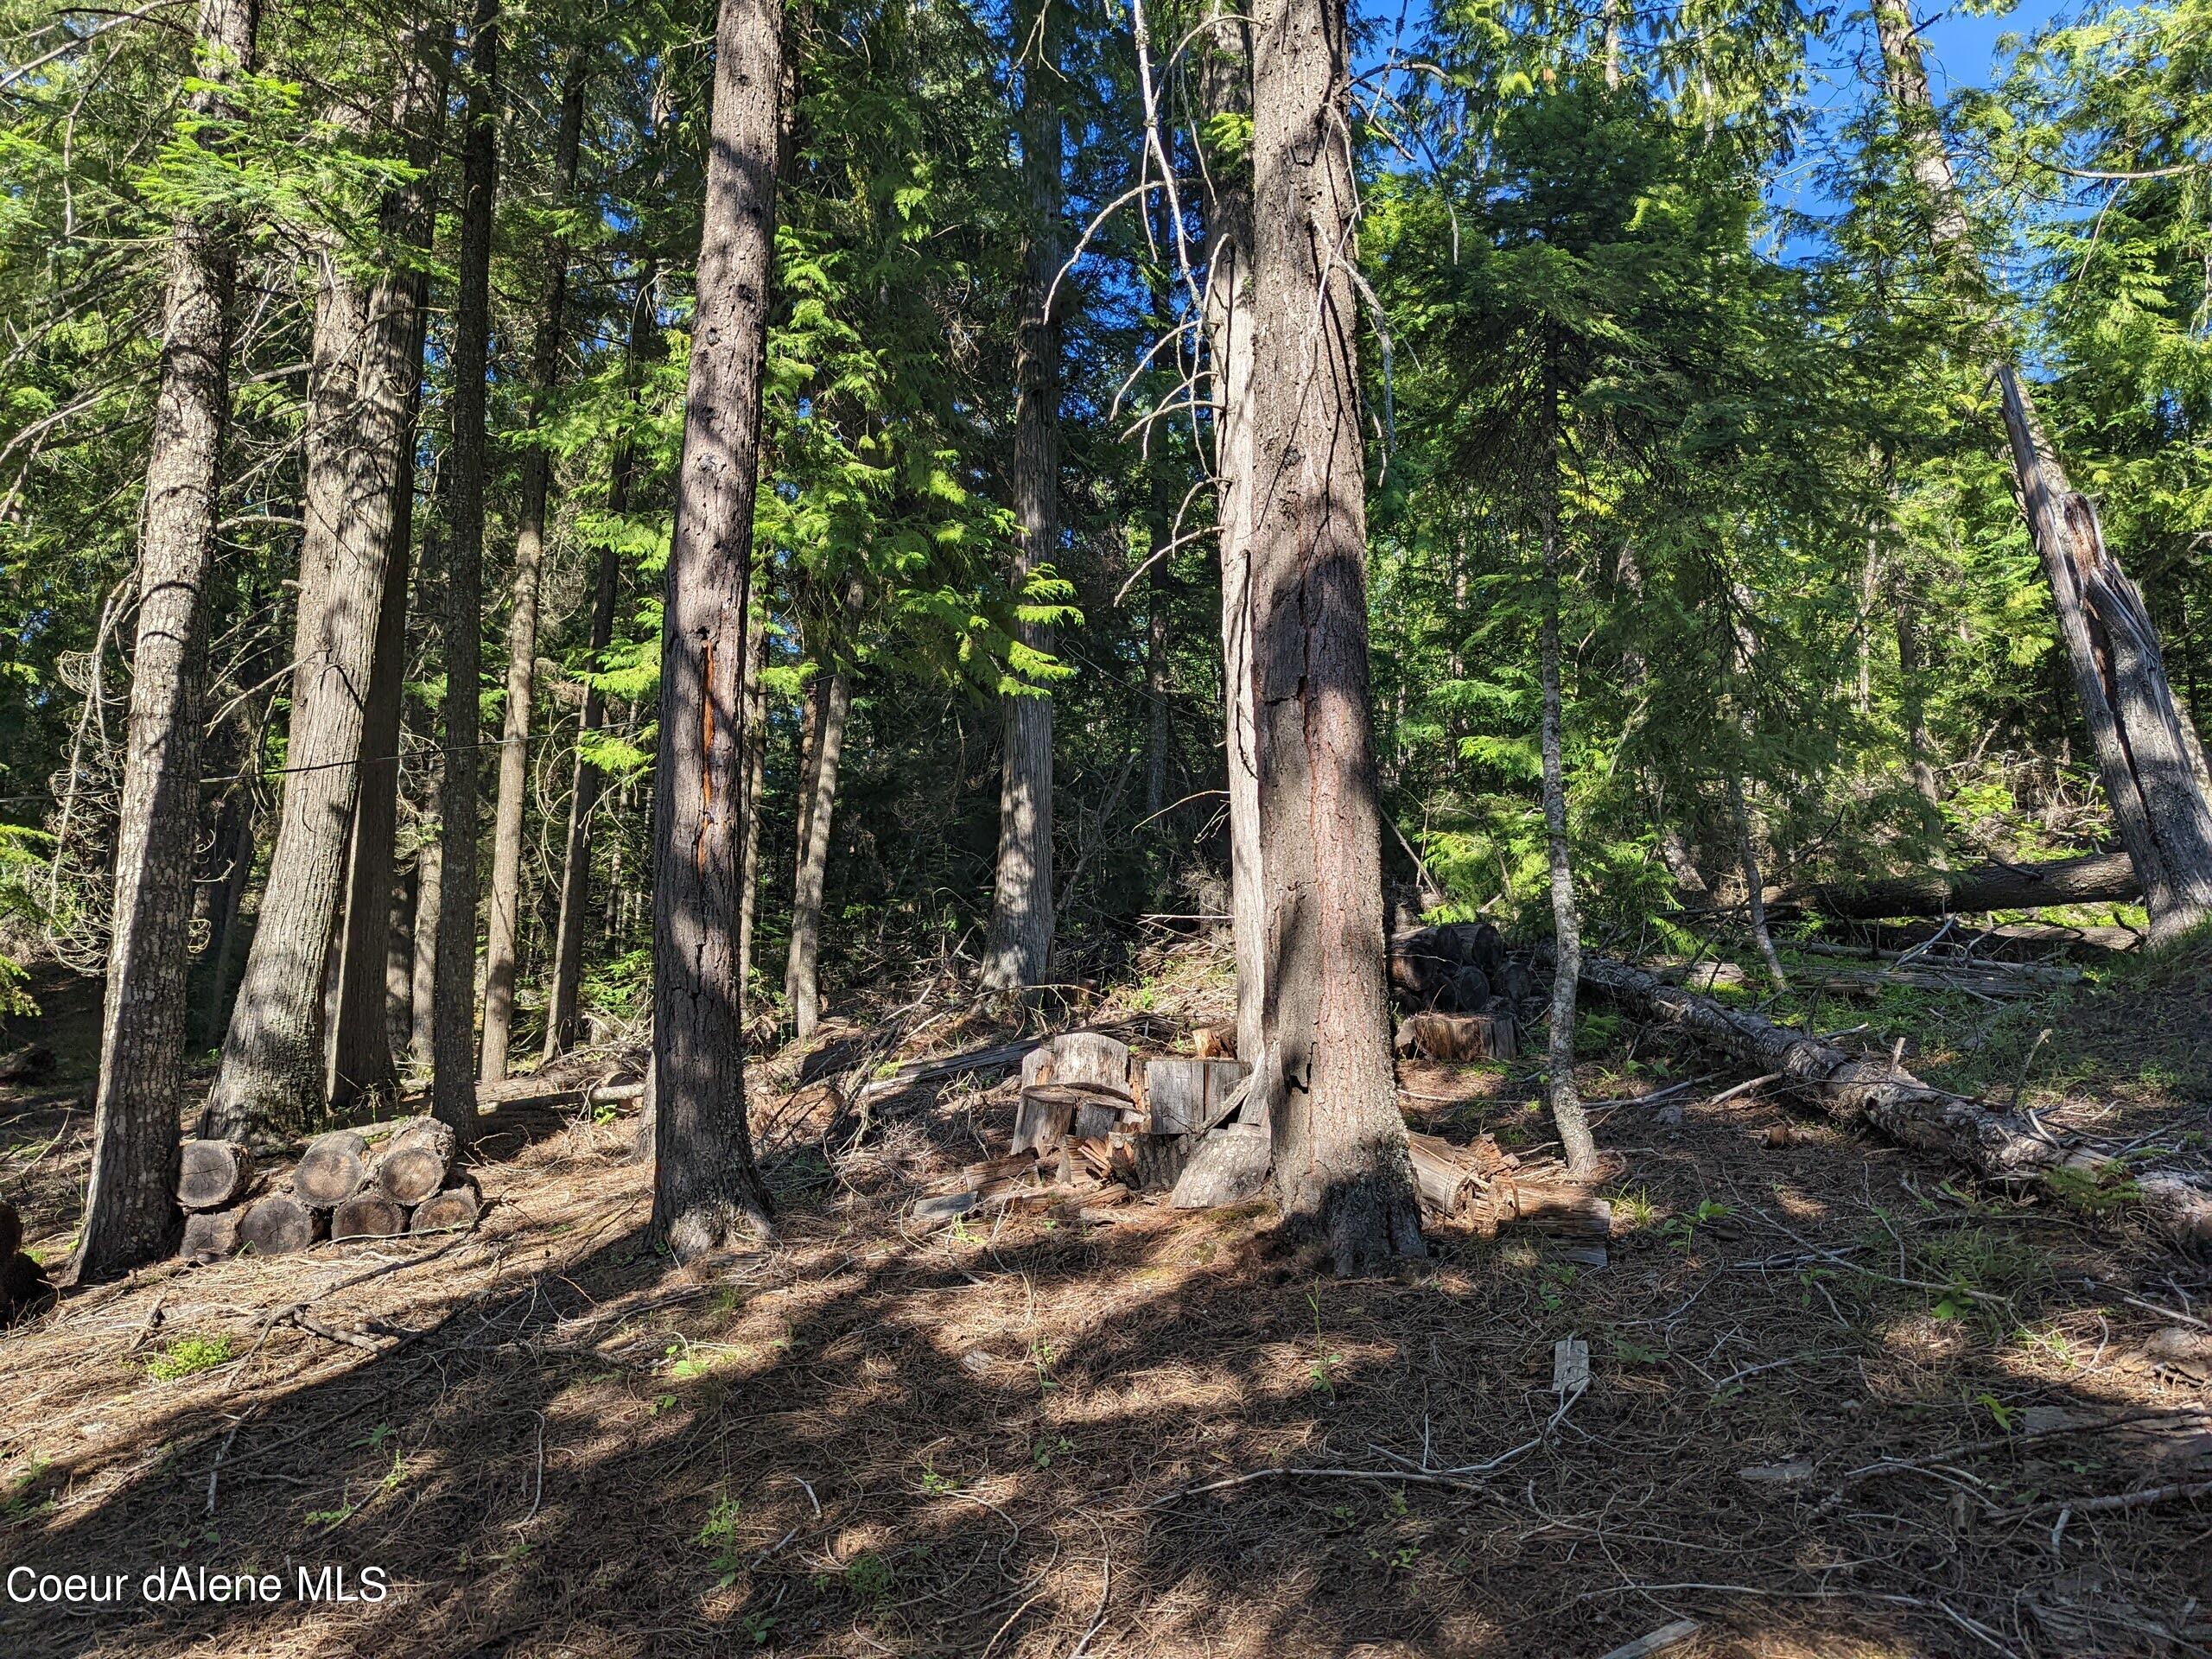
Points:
point(339, 1190)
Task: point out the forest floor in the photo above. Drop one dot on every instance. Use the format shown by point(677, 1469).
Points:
point(1163, 1435)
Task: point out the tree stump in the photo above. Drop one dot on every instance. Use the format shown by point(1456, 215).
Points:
point(331, 1170)
point(1445, 1182)
point(455, 1209)
point(210, 1235)
point(416, 1160)
point(1188, 1097)
point(368, 1215)
point(278, 1224)
point(23, 1289)
point(212, 1174)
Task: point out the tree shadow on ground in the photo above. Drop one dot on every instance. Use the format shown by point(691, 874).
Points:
point(986, 1441)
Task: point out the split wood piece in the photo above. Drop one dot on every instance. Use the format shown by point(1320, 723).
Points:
point(368, 1215)
point(11, 1231)
point(211, 1234)
point(1444, 1183)
point(212, 1174)
point(331, 1170)
point(1227, 1166)
point(455, 1209)
point(1190, 1096)
point(991, 1169)
point(279, 1224)
point(2094, 878)
point(1215, 1042)
point(1996, 1146)
point(416, 1161)
point(1546, 1206)
point(1460, 1036)
point(1161, 1160)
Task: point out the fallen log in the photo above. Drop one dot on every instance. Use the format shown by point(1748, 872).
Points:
point(1994, 1146)
point(2092, 878)
point(212, 1174)
point(1445, 1184)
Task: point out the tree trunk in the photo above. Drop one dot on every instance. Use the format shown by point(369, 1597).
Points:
point(706, 1187)
point(130, 1203)
point(1913, 699)
point(562, 997)
point(234, 846)
point(502, 936)
point(429, 903)
point(2093, 879)
point(275, 1063)
point(802, 979)
point(1566, 916)
point(1996, 1146)
point(1019, 943)
point(362, 1048)
point(2145, 760)
point(756, 764)
point(453, 1001)
point(1325, 1072)
point(1226, 88)
point(399, 965)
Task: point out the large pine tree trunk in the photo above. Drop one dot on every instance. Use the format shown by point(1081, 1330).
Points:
point(1019, 943)
point(275, 1065)
point(706, 1186)
point(504, 930)
point(1326, 1076)
point(131, 1205)
point(562, 996)
point(361, 1045)
point(802, 974)
point(453, 1089)
point(2145, 757)
point(1226, 89)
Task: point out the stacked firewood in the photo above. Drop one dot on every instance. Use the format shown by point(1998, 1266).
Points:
point(1461, 992)
point(339, 1190)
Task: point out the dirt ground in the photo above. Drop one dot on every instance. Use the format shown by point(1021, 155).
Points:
point(1839, 1404)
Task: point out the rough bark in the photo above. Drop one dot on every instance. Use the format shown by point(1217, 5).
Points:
point(1018, 942)
point(274, 1069)
point(756, 765)
point(430, 889)
point(1324, 1076)
point(802, 978)
point(1995, 1146)
point(2094, 878)
point(2147, 758)
point(503, 931)
point(129, 1204)
point(453, 996)
point(706, 1190)
point(362, 1045)
point(1566, 915)
point(1226, 92)
point(585, 786)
